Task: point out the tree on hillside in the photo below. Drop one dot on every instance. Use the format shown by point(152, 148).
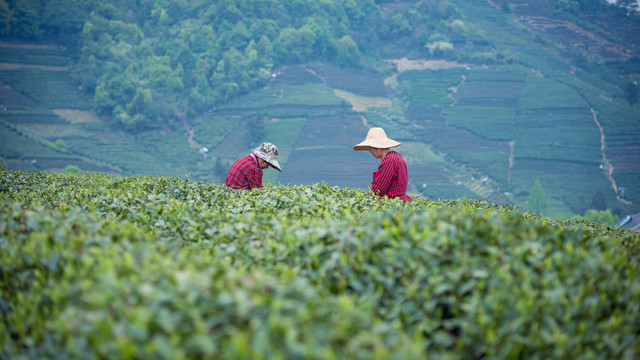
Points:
point(295, 45)
point(6, 18)
point(631, 5)
point(601, 217)
point(537, 202)
point(63, 17)
point(348, 51)
point(71, 169)
point(27, 15)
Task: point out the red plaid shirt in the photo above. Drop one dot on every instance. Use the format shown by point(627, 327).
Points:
point(391, 177)
point(245, 174)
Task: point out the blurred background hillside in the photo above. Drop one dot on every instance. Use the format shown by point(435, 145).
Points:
point(491, 99)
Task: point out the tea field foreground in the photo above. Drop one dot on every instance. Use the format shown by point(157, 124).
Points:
point(98, 266)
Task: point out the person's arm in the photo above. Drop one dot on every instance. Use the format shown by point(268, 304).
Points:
point(382, 178)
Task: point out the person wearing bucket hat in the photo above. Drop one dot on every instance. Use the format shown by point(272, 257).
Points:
point(246, 172)
point(391, 178)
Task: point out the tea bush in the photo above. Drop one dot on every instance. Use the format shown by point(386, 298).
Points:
point(97, 266)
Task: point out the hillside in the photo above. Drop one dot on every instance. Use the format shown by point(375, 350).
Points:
point(99, 266)
point(528, 93)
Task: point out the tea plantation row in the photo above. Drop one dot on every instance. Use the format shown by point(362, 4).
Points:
point(95, 266)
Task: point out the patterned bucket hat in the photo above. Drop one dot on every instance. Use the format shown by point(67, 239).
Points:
point(269, 153)
point(376, 138)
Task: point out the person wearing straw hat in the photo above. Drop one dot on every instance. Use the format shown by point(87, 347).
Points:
point(391, 178)
point(246, 172)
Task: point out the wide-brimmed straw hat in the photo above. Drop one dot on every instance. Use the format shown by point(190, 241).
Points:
point(376, 138)
point(269, 153)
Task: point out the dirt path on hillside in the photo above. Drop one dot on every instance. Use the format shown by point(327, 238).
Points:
point(455, 91)
point(608, 165)
point(312, 72)
point(189, 130)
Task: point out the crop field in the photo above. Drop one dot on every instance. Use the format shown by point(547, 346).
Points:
point(17, 146)
point(294, 76)
point(211, 130)
point(390, 123)
point(157, 267)
point(300, 96)
point(27, 153)
point(89, 140)
point(21, 117)
point(457, 124)
point(12, 99)
point(362, 103)
point(285, 133)
point(428, 87)
point(559, 143)
point(172, 146)
point(542, 93)
point(622, 133)
point(466, 147)
point(446, 190)
point(491, 123)
point(89, 144)
point(34, 56)
point(59, 92)
point(356, 81)
point(502, 73)
point(334, 166)
point(542, 17)
point(489, 21)
point(324, 153)
point(566, 182)
point(131, 156)
point(489, 93)
point(555, 131)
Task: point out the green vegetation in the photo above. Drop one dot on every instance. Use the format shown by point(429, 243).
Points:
point(60, 144)
point(71, 169)
point(150, 64)
point(601, 216)
point(537, 202)
point(96, 266)
point(51, 88)
point(492, 123)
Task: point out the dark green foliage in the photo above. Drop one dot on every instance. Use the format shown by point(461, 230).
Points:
point(602, 217)
point(95, 266)
point(71, 169)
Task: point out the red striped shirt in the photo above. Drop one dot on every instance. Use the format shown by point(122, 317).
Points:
point(391, 178)
point(245, 174)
